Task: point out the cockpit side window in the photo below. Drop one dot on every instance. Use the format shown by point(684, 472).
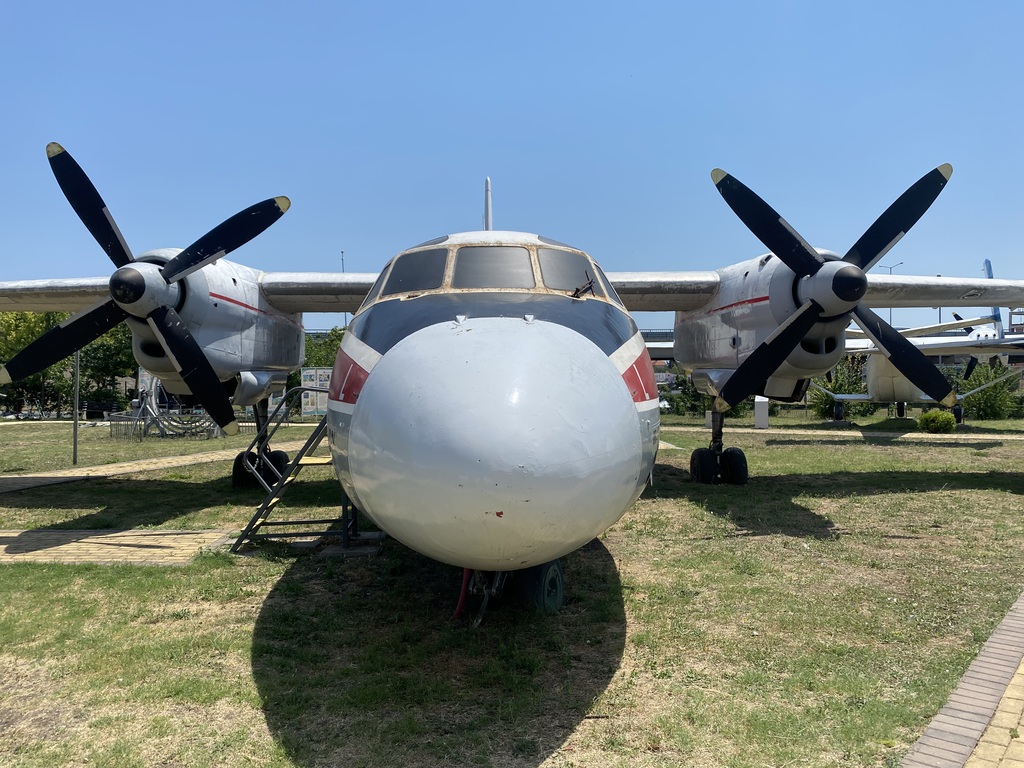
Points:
point(375, 290)
point(569, 271)
point(493, 266)
point(416, 271)
point(603, 279)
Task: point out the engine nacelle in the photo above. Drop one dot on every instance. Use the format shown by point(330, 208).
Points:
point(253, 386)
point(251, 346)
point(755, 297)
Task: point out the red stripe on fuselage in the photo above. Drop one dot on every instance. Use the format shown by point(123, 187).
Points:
point(237, 303)
point(737, 304)
point(639, 378)
point(347, 379)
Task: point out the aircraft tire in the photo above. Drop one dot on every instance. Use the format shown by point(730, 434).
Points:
point(734, 466)
point(837, 412)
point(703, 466)
point(279, 461)
point(241, 477)
point(543, 587)
point(901, 410)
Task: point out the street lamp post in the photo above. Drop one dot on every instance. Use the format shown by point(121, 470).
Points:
point(883, 266)
point(345, 315)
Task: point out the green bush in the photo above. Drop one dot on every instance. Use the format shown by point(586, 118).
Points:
point(686, 398)
point(999, 401)
point(847, 379)
point(937, 422)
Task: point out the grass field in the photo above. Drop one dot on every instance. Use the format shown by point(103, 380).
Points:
point(818, 616)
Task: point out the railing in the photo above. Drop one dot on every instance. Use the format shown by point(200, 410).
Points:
point(194, 426)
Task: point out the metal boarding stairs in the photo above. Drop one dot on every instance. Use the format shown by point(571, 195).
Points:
point(277, 477)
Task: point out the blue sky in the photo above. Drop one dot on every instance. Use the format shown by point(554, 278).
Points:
point(599, 124)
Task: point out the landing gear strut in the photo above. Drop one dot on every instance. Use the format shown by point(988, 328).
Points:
point(541, 587)
point(718, 464)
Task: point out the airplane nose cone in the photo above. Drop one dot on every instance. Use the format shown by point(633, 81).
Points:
point(496, 443)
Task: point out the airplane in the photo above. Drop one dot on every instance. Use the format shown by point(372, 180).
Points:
point(983, 337)
point(493, 405)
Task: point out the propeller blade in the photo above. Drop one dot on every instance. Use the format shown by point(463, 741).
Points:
point(766, 359)
point(188, 359)
point(768, 226)
point(971, 365)
point(898, 218)
point(88, 204)
point(225, 237)
point(908, 359)
point(62, 341)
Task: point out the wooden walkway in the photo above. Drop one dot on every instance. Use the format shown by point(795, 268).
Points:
point(981, 725)
point(109, 547)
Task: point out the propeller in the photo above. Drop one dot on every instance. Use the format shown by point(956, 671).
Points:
point(829, 289)
point(142, 290)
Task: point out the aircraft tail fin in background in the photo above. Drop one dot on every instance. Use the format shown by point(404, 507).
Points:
point(997, 316)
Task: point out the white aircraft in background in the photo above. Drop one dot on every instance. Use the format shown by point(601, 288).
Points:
point(493, 405)
point(982, 338)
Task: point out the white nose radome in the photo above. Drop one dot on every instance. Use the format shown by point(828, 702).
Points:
point(495, 443)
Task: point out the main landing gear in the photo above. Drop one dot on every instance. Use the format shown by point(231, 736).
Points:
point(715, 464)
point(269, 464)
point(541, 587)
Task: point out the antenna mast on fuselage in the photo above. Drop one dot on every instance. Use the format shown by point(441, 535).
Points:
point(487, 204)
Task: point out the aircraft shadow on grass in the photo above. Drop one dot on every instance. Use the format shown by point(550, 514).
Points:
point(126, 503)
point(921, 441)
point(356, 663)
point(768, 505)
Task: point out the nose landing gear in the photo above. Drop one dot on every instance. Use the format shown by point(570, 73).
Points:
point(541, 587)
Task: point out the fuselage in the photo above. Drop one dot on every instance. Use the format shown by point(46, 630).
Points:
point(493, 405)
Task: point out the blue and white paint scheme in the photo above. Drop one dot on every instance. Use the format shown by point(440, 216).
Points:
point(493, 404)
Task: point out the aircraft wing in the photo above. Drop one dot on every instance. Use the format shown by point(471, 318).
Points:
point(64, 295)
point(912, 291)
point(344, 292)
point(966, 346)
point(317, 291)
point(686, 291)
point(928, 330)
point(287, 291)
point(639, 291)
point(665, 291)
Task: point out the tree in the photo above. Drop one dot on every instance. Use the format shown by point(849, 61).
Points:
point(686, 398)
point(321, 350)
point(101, 362)
point(48, 387)
point(106, 359)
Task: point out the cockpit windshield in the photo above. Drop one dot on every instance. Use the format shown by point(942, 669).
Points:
point(416, 271)
point(535, 269)
point(568, 271)
point(493, 266)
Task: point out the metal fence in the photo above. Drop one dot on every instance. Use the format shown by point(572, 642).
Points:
point(194, 426)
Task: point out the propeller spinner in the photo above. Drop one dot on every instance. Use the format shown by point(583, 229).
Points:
point(829, 288)
point(142, 290)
